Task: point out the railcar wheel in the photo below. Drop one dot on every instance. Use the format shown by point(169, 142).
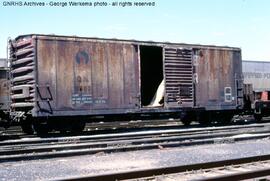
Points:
point(186, 122)
point(188, 118)
point(77, 127)
point(41, 127)
point(204, 118)
point(258, 117)
point(27, 127)
point(225, 118)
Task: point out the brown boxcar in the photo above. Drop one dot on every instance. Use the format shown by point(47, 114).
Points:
point(62, 76)
point(4, 91)
point(4, 94)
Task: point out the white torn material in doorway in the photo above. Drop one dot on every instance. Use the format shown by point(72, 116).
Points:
point(159, 95)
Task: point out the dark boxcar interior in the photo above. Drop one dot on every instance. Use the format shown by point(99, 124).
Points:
point(151, 72)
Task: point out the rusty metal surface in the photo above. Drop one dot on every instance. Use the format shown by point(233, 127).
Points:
point(76, 75)
point(178, 77)
point(257, 73)
point(217, 71)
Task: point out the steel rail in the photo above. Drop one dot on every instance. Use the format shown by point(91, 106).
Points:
point(137, 140)
point(140, 174)
point(108, 127)
point(123, 139)
point(52, 152)
point(120, 135)
point(240, 176)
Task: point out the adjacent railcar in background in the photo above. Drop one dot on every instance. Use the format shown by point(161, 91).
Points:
point(61, 80)
point(257, 82)
point(4, 91)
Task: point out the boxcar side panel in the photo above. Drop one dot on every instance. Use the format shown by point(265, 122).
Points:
point(131, 76)
point(82, 77)
point(46, 74)
point(116, 76)
point(216, 71)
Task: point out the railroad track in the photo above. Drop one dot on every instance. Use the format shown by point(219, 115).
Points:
point(234, 169)
point(104, 125)
point(15, 132)
point(39, 148)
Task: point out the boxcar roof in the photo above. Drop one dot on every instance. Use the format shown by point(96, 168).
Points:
point(256, 61)
point(113, 40)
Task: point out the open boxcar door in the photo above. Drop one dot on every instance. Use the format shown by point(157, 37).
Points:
point(178, 73)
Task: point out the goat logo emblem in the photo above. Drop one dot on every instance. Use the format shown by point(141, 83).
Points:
point(82, 57)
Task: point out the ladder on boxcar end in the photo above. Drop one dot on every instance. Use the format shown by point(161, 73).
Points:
point(239, 91)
